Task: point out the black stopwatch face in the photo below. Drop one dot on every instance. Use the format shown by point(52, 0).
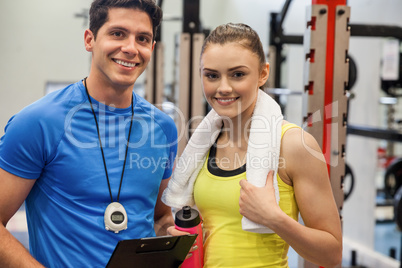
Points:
point(117, 217)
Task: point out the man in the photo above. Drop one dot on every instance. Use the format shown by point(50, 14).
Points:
point(90, 160)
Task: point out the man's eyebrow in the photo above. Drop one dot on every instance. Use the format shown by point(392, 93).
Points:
point(120, 28)
point(149, 34)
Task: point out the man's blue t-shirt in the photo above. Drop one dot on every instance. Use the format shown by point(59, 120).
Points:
point(55, 141)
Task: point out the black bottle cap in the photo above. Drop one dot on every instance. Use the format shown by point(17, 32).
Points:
point(187, 217)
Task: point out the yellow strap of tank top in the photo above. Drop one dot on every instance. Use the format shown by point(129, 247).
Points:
point(288, 126)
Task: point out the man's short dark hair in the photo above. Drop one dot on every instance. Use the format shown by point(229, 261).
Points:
point(98, 14)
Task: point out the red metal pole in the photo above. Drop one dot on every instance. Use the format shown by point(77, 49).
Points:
point(329, 72)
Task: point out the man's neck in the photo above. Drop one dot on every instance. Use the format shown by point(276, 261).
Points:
point(109, 95)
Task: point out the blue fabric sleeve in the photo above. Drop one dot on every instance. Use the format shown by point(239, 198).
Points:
point(24, 148)
point(172, 146)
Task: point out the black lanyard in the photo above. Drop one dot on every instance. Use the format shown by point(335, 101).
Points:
point(101, 147)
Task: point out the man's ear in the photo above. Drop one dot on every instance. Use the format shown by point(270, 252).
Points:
point(89, 39)
point(264, 74)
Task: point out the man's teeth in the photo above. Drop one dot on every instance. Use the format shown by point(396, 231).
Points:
point(126, 64)
point(227, 100)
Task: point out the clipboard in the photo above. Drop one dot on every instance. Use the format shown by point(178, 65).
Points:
point(160, 251)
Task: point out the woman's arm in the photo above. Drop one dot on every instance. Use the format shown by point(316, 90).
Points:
point(320, 239)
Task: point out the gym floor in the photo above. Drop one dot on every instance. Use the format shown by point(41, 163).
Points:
point(387, 238)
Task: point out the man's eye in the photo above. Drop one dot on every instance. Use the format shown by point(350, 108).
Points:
point(144, 39)
point(117, 34)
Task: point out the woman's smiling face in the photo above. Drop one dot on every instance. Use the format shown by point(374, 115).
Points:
point(231, 75)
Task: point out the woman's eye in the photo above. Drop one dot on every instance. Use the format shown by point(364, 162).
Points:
point(238, 74)
point(211, 75)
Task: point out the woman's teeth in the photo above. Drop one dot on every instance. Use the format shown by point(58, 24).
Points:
point(227, 100)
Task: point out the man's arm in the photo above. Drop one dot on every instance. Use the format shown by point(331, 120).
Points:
point(13, 191)
point(163, 214)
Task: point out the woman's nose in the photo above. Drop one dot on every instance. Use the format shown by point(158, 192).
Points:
point(224, 87)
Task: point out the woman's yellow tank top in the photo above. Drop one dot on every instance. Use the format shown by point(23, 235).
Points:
point(225, 243)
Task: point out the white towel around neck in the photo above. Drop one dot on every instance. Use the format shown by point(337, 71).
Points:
point(262, 155)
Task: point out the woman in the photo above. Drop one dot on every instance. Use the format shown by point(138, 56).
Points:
point(233, 68)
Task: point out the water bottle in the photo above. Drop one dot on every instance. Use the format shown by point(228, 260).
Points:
point(189, 220)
